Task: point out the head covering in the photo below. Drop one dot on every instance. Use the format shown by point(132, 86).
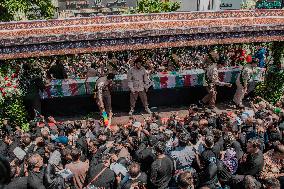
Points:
point(62, 140)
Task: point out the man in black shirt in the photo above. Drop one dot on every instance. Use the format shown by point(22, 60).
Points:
point(36, 173)
point(101, 175)
point(144, 154)
point(136, 177)
point(161, 169)
point(252, 163)
point(208, 174)
point(11, 145)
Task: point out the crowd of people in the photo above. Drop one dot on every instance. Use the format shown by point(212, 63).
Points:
point(205, 149)
point(156, 60)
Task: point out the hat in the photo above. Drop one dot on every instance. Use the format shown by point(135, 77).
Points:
point(62, 140)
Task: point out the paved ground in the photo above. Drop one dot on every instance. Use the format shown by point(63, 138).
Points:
point(123, 117)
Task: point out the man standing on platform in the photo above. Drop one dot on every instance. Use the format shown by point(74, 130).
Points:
point(102, 93)
point(212, 79)
point(242, 83)
point(139, 84)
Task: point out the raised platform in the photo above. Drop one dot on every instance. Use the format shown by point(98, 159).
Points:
point(178, 97)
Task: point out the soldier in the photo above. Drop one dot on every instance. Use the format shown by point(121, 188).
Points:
point(139, 84)
point(212, 79)
point(242, 82)
point(102, 93)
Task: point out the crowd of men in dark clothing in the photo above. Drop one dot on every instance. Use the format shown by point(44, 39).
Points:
point(240, 149)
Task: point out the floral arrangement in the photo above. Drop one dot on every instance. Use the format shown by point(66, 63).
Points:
point(9, 87)
point(11, 103)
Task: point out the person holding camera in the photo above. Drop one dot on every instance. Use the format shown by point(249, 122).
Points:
point(162, 168)
point(101, 175)
point(135, 178)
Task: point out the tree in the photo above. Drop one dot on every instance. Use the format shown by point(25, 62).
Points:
point(26, 9)
point(273, 87)
point(156, 6)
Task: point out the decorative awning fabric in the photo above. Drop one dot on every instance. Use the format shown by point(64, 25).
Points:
point(134, 32)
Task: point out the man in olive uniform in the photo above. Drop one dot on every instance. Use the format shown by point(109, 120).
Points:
point(138, 83)
point(212, 80)
point(242, 83)
point(102, 93)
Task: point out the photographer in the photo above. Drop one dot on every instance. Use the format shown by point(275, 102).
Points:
point(135, 178)
point(161, 169)
point(101, 175)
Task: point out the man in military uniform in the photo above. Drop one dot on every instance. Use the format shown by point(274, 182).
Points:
point(102, 93)
point(242, 83)
point(139, 84)
point(212, 80)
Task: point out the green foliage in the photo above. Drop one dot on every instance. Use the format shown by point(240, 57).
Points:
point(273, 87)
point(156, 6)
point(25, 9)
point(13, 110)
point(264, 4)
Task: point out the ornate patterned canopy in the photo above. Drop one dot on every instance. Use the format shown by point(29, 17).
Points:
point(133, 32)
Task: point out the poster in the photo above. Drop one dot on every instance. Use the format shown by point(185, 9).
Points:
point(231, 4)
point(86, 8)
point(269, 4)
